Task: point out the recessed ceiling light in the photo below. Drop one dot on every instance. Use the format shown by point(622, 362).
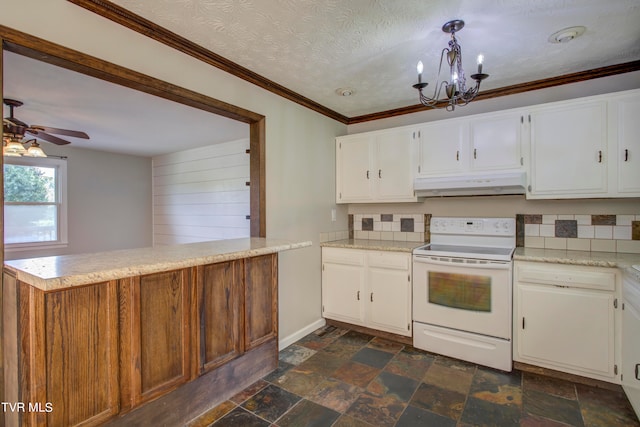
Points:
point(345, 91)
point(567, 34)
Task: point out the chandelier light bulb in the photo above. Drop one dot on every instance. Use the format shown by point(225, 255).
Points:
point(420, 68)
point(480, 61)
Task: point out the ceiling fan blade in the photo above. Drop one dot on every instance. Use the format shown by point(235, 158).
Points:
point(57, 131)
point(47, 137)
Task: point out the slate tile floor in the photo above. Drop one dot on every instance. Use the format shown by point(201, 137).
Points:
point(334, 377)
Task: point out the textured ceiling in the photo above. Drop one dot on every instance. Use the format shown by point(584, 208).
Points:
point(314, 47)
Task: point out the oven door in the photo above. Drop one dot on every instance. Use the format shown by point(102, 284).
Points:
point(464, 294)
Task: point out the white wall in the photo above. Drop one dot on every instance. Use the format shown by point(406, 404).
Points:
point(201, 194)
point(300, 177)
point(109, 202)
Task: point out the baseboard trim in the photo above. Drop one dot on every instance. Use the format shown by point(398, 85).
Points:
point(290, 339)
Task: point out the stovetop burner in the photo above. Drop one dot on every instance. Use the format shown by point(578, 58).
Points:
point(479, 238)
point(479, 252)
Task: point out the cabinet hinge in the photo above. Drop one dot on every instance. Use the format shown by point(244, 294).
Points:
point(529, 118)
point(322, 267)
point(418, 169)
point(408, 277)
point(615, 369)
point(323, 308)
point(521, 119)
point(340, 195)
point(529, 188)
point(615, 303)
point(521, 161)
point(623, 305)
point(340, 145)
point(408, 326)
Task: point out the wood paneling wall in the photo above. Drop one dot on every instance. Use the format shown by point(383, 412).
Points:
point(202, 194)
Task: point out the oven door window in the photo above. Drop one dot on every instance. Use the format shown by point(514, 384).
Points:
point(462, 291)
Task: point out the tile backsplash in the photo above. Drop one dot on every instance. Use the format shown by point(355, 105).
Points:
point(597, 232)
point(400, 227)
point(603, 233)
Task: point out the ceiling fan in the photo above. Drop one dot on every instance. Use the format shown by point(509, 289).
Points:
point(15, 129)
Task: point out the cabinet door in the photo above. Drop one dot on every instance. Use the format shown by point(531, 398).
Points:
point(443, 148)
point(394, 173)
point(343, 285)
point(261, 299)
point(569, 151)
point(81, 356)
point(566, 329)
point(627, 130)
point(631, 354)
point(389, 293)
point(156, 335)
point(220, 311)
point(354, 176)
point(496, 142)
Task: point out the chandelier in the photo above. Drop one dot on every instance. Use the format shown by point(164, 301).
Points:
point(455, 87)
point(13, 147)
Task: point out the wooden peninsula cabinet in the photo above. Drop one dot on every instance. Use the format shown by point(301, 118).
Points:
point(154, 336)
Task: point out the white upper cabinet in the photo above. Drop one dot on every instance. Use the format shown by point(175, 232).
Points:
point(375, 167)
point(569, 155)
point(625, 147)
point(584, 148)
point(496, 141)
point(441, 146)
point(353, 170)
point(480, 143)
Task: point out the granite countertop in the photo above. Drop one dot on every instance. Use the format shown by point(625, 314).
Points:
point(595, 259)
point(378, 245)
point(59, 272)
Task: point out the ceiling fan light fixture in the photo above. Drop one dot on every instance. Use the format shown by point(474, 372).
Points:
point(34, 150)
point(454, 84)
point(13, 148)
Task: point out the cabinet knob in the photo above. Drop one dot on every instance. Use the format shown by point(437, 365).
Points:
point(379, 173)
point(638, 371)
point(475, 152)
point(367, 174)
point(457, 155)
point(599, 156)
point(626, 155)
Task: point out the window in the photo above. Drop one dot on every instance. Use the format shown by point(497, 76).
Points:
point(35, 213)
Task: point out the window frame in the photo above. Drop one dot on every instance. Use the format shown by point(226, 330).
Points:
point(60, 164)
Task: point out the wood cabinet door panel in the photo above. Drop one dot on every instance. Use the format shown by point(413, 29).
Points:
point(81, 327)
point(155, 341)
point(220, 296)
point(261, 299)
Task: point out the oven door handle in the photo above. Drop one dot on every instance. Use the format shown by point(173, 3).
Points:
point(499, 265)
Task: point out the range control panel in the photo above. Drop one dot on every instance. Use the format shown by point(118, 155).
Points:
point(473, 226)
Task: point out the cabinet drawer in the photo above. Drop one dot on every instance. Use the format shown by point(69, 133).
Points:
point(343, 256)
point(399, 261)
point(567, 275)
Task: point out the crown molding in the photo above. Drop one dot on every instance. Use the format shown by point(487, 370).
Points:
point(136, 23)
point(143, 26)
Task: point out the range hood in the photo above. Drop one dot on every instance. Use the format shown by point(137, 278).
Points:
point(476, 184)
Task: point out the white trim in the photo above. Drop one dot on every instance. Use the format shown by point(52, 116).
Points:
point(288, 340)
point(61, 188)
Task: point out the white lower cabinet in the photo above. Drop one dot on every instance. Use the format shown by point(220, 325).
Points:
point(631, 339)
point(566, 318)
point(367, 288)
